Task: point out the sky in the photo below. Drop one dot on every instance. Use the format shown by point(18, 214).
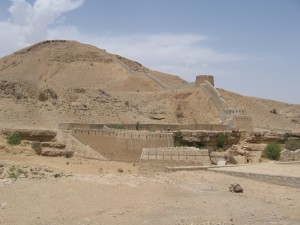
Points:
point(251, 47)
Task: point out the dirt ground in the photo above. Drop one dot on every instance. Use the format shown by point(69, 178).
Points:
point(94, 192)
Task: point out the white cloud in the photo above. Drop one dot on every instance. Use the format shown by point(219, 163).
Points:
point(30, 23)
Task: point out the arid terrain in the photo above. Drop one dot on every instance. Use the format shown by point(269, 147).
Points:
point(94, 192)
point(52, 176)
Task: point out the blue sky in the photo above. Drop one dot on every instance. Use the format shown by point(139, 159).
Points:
point(251, 47)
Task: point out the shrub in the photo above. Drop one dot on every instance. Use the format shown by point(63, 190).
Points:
point(68, 154)
point(119, 127)
point(15, 172)
point(274, 111)
point(57, 175)
point(231, 159)
point(120, 170)
point(178, 139)
point(221, 140)
point(292, 144)
point(14, 139)
point(272, 151)
point(37, 147)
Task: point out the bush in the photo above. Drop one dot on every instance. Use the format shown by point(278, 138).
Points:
point(178, 139)
point(119, 127)
point(14, 139)
point(272, 151)
point(15, 172)
point(221, 140)
point(37, 147)
point(274, 111)
point(120, 170)
point(292, 144)
point(231, 159)
point(68, 154)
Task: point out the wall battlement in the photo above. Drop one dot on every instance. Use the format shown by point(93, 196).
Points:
point(129, 134)
point(243, 122)
point(176, 153)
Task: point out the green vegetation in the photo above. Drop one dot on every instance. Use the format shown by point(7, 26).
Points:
point(15, 172)
point(37, 147)
point(272, 151)
point(178, 139)
point(119, 126)
point(231, 159)
point(292, 144)
point(56, 175)
point(221, 140)
point(120, 170)
point(14, 139)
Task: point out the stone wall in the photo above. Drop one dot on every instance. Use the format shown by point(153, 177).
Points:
point(159, 159)
point(122, 145)
point(287, 156)
point(192, 154)
point(202, 78)
point(151, 127)
point(242, 122)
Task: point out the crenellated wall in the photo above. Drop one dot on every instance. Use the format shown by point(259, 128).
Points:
point(161, 127)
point(242, 122)
point(187, 154)
point(122, 145)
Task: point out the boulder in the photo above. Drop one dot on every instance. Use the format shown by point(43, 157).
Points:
point(236, 188)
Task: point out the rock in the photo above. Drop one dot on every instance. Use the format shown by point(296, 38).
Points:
point(2, 173)
point(222, 163)
point(236, 188)
point(215, 157)
point(287, 155)
point(57, 153)
point(52, 152)
point(22, 175)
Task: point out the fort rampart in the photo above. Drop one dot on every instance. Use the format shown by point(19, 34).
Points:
point(122, 145)
point(149, 127)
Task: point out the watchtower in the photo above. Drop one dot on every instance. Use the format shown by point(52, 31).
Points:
point(200, 79)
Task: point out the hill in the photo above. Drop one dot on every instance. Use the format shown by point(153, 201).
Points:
point(65, 81)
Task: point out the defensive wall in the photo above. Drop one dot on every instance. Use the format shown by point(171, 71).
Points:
point(149, 127)
point(158, 159)
point(243, 123)
point(122, 145)
point(188, 154)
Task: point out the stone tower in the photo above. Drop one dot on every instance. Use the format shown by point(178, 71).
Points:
point(202, 78)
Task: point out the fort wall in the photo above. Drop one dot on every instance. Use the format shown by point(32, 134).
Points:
point(158, 159)
point(151, 127)
point(123, 146)
point(242, 122)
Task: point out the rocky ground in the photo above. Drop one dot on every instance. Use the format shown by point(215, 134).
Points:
point(95, 192)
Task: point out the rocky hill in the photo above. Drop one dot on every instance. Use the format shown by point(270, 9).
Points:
point(65, 81)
